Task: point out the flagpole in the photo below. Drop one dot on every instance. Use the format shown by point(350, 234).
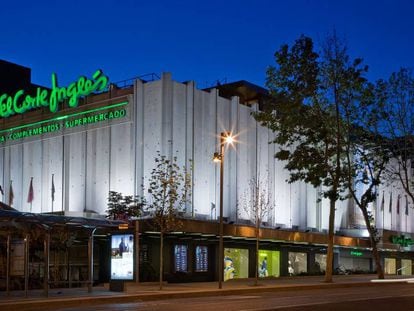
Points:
point(406, 213)
point(53, 191)
point(31, 194)
point(383, 212)
point(11, 194)
point(391, 210)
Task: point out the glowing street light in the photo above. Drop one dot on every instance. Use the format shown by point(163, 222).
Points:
point(225, 139)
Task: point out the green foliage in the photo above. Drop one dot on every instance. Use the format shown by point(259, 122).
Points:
point(308, 91)
point(169, 190)
point(326, 119)
point(122, 207)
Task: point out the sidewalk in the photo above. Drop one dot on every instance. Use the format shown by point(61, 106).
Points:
point(69, 297)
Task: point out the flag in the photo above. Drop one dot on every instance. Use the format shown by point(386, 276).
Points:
point(398, 204)
point(53, 188)
point(1, 191)
point(382, 202)
point(11, 194)
point(30, 195)
point(406, 205)
point(390, 209)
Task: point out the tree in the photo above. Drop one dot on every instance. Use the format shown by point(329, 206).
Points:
point(368, 155)
point(257, 204)
point(308, 92)
point(122, 207)
point(398, 127)
point(169, 189)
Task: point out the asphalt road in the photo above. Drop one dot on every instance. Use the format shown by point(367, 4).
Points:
point(392, 297)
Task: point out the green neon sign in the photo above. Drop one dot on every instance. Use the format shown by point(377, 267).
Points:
point(86, 117)
point(20, 102)
point(401, 240)
point(356, 253)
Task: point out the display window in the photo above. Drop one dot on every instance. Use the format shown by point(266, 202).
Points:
point(269, 263)
point(320, 262)
point(298, 263)
point(236, 263)
point(406, 267)
point(390, 266)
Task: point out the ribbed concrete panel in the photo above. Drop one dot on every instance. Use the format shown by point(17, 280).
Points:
point(179, 114)
point(325, 214)
point(52, 158)
point(232, 160)
point(16, 175)
point(97, 174)
point(121, 159)
point(205, 143)
point(311, 207)
point(152, 126)
point(282, 195)
point(167, 115)
point(32, 163)
point(271, 176)
point(223, 124)
point(75, 172)
point(244, 168)
point(189, 140)
point(2, 174)
point(302, 200)
point(263, 163)
point(138, 121)
point(6, 173)
point(295, 203)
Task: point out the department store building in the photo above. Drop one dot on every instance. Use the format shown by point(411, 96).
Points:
point(73, 146)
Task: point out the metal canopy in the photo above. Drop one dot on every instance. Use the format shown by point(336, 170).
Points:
point(10, 217)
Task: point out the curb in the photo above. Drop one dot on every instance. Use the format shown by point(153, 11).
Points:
point(59, 302)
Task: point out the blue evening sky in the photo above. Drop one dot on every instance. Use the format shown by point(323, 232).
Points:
point(205, 41)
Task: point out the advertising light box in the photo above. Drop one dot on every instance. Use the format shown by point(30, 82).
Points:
point(201, 259)
point(122, 257)
point(180, 258)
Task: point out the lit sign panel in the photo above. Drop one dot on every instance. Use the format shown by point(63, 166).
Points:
point(401, 240)
point(122, 257)
point(356, 253)
point(20, 102)
point(69, 121)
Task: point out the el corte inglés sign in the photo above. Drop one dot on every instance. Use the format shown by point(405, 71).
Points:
point(20, 103)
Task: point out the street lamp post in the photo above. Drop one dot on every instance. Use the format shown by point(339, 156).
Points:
point(225, 138)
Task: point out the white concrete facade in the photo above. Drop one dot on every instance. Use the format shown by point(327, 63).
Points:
point(173, 118)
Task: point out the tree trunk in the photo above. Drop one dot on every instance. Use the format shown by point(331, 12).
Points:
point(257, 256)
point(161, 257)
point(375, 254)
point(330, 255)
